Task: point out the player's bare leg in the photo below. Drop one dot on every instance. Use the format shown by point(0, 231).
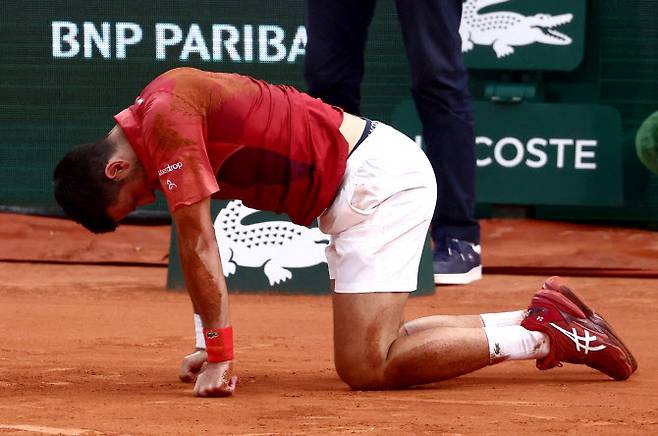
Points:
point(433, 321)
point(370, 353)
point(464, 321)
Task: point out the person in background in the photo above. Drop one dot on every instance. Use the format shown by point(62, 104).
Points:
point(334, 66)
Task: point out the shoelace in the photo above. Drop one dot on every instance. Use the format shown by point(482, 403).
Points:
point(452, 246)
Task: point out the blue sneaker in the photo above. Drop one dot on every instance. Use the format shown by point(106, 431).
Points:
point(457, 263)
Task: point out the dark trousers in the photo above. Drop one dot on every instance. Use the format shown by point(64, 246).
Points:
point(334, 65)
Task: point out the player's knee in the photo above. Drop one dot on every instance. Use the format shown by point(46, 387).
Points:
point(360, 381)
point(361, 377)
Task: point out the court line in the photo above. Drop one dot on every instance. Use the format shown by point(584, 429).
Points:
point(50, 430)
point(478, 402)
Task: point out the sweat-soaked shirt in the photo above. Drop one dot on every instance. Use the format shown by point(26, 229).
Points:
point(200, 134)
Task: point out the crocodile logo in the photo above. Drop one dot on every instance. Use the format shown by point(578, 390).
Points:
point(503, 30)
point(271, 245)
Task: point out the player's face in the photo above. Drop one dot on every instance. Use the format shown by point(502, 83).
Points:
point(134, 192)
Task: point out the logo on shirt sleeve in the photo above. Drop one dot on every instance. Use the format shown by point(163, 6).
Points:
point(169, 168)
point(171, 185)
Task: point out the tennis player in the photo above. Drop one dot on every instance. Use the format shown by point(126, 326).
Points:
point(198, 135)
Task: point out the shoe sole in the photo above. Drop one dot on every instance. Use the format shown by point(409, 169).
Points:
point(591, 315)
point(459, 279)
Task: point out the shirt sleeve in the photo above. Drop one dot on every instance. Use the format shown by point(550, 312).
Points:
point(175, 136)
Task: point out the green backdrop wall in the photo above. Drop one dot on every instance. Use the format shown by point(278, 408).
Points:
point(49, 103)
point(68, 66)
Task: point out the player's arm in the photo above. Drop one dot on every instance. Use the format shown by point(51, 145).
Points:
point(204, 280)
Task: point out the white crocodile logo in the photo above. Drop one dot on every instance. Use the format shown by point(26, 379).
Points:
point(271, 245)
point(503, 29)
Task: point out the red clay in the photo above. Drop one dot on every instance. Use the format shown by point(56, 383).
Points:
point(61, 240)
point(93, 349)
point(510, 246)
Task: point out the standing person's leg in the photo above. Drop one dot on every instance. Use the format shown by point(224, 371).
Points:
point(440, 90)
point(337, 31)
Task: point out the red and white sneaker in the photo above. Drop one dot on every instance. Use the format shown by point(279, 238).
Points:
point(574, 337)
point(558, 284)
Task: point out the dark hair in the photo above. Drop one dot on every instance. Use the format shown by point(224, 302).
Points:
point(81, 187)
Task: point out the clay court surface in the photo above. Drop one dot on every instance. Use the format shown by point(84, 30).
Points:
point(93, 349)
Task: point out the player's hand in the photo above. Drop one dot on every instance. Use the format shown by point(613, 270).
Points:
point(216, 380)
point(192, 365)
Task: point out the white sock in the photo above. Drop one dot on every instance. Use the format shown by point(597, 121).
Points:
point(515, 343)
point(501, 319)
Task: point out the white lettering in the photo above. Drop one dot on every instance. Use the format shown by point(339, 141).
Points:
point(265, 42)
point(498, 152)
point(488, 142)
point(585, 154)
point(68, 38)
point(218, 42)
point(560, 143)
point(162, 40)
point(126, 34)
point(248, 42)
point(540, 154)
point(224, 43)
point(194, 43)
point(298, 46)
point(169, 168)
point(92, 37)
point(535, 152)
point(418, 139)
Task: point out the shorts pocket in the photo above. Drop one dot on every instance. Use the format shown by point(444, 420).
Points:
point(355, 203)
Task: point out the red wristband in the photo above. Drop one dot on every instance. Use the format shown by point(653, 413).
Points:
point(219, 344)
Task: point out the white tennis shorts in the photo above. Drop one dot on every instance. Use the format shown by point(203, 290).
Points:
point(379, 219)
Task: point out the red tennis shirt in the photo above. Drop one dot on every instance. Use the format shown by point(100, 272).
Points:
point(200, 134)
